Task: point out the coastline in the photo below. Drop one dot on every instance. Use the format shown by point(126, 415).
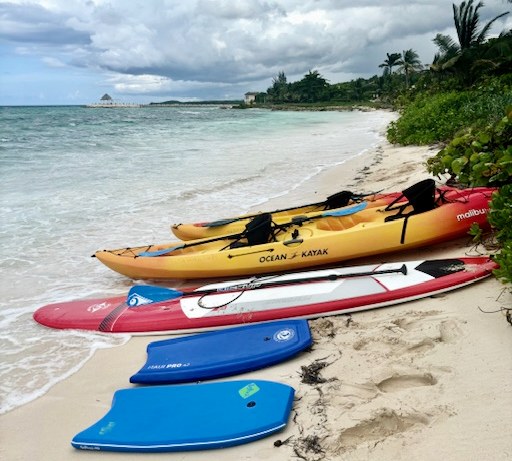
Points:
point(423, 380)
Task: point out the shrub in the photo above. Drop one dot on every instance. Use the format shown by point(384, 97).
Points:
point(429, 119)
point(500, 219)
point(479, 157)
point(484, 158)
point(440, 117)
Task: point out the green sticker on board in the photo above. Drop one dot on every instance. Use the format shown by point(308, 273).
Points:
point(108, 428)
point(248, 390)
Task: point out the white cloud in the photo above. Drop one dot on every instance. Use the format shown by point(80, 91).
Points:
point(217, 43)
point(53, 62)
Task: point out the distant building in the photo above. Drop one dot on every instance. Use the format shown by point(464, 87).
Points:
point(106, 99)
point(250, 97)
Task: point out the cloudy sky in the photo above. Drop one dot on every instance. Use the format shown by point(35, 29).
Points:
point(74, 51)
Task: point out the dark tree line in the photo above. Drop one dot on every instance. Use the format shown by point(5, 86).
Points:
point(458, 64)
point(312, 88)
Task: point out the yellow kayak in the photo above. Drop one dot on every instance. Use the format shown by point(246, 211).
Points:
point(329, 238)
point(236, 224)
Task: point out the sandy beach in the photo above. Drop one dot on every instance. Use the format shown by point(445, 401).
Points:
point(426, 380)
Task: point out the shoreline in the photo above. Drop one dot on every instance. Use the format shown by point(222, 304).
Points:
point(424, 380)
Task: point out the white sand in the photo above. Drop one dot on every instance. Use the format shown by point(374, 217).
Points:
point(426, 380)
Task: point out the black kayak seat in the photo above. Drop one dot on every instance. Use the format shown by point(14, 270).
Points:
point(259, 229)
point(421, 196)
point(338, 200)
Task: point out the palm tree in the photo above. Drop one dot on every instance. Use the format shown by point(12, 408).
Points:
point(394, 59)
point(494, 56)
point(313, 86)
point(410, 63)
point(279, 88)
point(467, 21)
point(469, 35)
point(449, 53)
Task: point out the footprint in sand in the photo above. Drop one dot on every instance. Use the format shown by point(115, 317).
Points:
point(446, 329)
point(384, 381)
point(416, 333)
point(384, 423)
point(397, 383)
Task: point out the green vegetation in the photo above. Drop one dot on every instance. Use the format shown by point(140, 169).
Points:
point(479, 157)
point(439, 117)
point(483, 157)
point(314, 89)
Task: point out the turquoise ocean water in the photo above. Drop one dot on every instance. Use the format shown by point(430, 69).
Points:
point(76, 180)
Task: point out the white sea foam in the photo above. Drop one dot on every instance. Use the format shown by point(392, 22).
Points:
point(31, 368)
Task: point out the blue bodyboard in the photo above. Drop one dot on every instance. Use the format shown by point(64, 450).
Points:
point(223, 353)
point(189, 417)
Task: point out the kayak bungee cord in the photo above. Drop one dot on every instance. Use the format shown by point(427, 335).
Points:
point(258, 284)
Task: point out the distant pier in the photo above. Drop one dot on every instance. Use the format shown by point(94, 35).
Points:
point(99, 105)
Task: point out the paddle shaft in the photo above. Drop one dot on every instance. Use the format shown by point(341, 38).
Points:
point(331, 277)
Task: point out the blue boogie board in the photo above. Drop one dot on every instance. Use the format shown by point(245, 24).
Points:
point(189, 417)
point(222, 353)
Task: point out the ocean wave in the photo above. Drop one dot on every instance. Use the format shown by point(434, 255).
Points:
point(45, 360)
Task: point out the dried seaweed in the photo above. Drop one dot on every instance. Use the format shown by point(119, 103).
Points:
point(308, 444)
point(310, 374)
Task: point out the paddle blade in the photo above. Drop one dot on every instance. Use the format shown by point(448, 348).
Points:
point(346, 211)
point(150, 254)
point(140, 295)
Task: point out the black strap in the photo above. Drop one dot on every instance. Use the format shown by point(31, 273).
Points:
point(421, 196)
point(404, 227)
